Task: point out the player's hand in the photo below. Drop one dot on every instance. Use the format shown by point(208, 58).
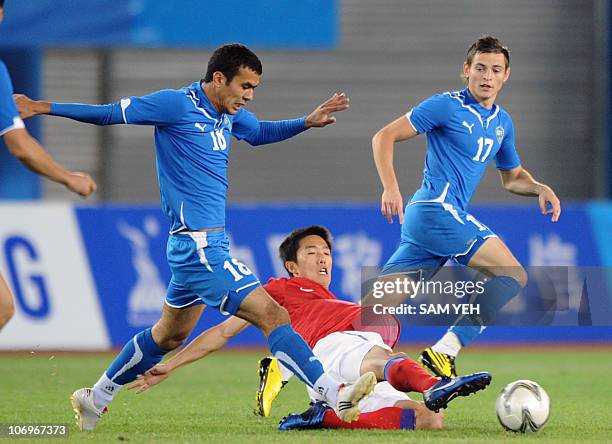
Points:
point(323, 114)
point(549, 203)
point(81, 184)
point(150, 378)
point(25, 106)
point(392, 205)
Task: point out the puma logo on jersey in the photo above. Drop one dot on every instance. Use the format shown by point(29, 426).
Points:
point(468, 126)
point(199, 126)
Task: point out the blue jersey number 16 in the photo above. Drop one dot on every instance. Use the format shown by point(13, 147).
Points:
point(219, 142)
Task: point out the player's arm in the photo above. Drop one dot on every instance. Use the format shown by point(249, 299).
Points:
point(247, 127)
point(96, 114)
point(519, 181)
point(382, 147)
point(206, 343)
point(159, 108)
point(25, 148)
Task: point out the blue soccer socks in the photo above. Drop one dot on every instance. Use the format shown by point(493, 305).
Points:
point(497, 293)
point(295, 354)
point(137, 356)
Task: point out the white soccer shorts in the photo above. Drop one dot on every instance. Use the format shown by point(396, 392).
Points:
point(342, 353)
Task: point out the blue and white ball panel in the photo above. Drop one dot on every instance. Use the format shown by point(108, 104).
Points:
point(204, 272)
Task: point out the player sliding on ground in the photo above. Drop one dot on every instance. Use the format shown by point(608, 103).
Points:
point(348, 341)
point(465, 129)
point(31, 154)
point(193, 128)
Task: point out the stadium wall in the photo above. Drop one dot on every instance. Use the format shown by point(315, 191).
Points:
point(387, 55)
point(308, 24)
point(88, 278)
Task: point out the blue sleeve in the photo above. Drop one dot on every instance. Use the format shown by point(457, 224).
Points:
point(159, 108)
point(255, 132)
point(507, 158)
point(431, 113)
point(9, 116)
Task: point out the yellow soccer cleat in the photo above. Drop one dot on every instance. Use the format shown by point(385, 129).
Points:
point(440, 364)
point(270, 384)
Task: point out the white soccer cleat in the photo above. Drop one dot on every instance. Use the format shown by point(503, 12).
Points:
point(347, 406)
point(86, 413)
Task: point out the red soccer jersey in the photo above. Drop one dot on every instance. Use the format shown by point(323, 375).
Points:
point(315, 312)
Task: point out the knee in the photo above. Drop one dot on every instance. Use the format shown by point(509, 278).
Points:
point(519, 275)
point(275, 316)
point(168, 340)
point(269, 316)
point(172, 342)
point(522, 277)
point(376, 360)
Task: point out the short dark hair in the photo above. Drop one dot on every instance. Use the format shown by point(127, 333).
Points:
point(1, 3)
point(228, 59)
point(487, 44)
point(289, 247)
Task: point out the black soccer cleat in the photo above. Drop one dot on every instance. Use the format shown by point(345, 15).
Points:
point(438, 396)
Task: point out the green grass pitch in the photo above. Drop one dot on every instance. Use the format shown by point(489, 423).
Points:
point(212, 400)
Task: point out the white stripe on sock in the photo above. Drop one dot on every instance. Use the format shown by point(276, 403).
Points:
point(290, 363)
point(135, 359)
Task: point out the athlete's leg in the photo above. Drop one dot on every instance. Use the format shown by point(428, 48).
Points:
point(291, 349)
point(385, 409)
point(403, 373)
point(141, 353)
point(7, 305)
point(175, 325)
point(262, 311)
point(494, 259)
point(145, 350)
point(285, 344)
point(406, 375)
point(404, 414)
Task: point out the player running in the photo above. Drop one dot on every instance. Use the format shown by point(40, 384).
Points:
point(346, 343)
point(465, 130)
point(31, 154)
point(193, 127)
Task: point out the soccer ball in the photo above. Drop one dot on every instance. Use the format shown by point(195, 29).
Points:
point(523, 406)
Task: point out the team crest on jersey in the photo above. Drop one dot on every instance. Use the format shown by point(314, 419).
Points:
point(499, 132)
point(226, 122)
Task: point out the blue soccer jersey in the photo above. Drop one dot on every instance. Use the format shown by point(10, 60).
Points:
point(9, 117)
point(192, 143)
point(462, 137)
